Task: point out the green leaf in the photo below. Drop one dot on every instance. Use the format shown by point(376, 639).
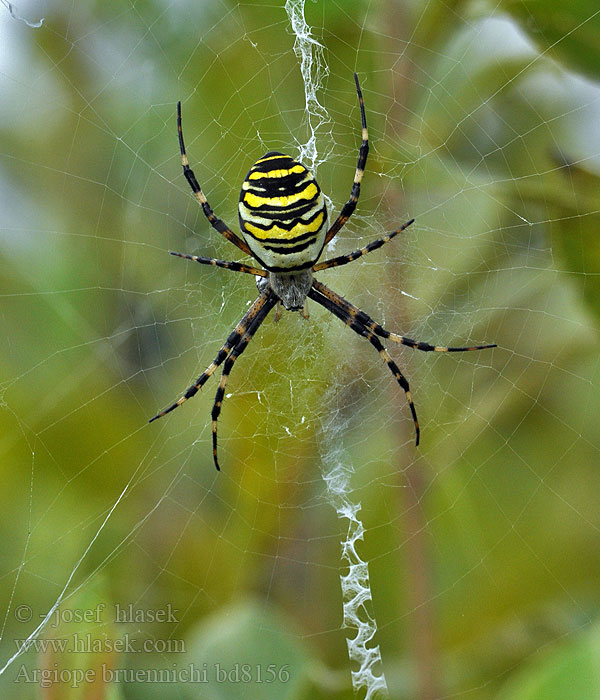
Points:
point(567, 31)
point(78, 647)
point(248, 650)
point(572, 194)
point(570, 671)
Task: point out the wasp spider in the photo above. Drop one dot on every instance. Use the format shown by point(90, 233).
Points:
point(283, 219)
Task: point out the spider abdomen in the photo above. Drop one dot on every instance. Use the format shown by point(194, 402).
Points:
point(282, 214)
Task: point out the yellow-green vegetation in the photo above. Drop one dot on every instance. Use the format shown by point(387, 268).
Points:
point(483, 543)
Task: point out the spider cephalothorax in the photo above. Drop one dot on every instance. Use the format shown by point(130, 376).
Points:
point(292, 288)
point(283, 219)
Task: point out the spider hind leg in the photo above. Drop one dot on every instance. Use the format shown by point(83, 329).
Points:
point(366, 332)
point(269, 302)
point(230, 344)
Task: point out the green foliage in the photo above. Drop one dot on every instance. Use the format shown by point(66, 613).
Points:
point(483, 123)
point(567, 32)
point(249, 649)
point(569, 672)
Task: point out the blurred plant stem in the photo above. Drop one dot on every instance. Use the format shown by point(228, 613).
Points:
point(423, 648)
point(422, 635)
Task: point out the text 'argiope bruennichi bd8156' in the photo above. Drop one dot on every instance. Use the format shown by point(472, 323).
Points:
point(283, 218)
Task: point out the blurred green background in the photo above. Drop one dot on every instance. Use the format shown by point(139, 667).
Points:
point(483, 543)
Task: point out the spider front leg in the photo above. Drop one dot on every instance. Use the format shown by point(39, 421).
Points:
point(350, 206)
point(215, 222)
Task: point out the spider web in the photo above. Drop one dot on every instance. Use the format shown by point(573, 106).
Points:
point(330, 557)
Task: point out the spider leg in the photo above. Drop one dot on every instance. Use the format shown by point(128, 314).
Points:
point(370, 324)
point(358, 327)
point(345, 259)
point(242, 344)
point(350, 206)
point(230, 343)
point(228, 265)
point(215, 222)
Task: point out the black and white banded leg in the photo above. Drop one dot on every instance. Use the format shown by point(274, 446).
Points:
point(362, 330)
point(226, 264)
point(349, 257)
point(231, 342)
point(215, 222)
point(350, 206)
point(242, 344)
point(368, 322)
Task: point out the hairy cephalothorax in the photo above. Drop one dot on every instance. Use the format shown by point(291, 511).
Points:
point(291, 287)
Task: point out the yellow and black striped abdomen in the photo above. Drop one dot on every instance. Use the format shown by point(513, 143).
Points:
point(282, 213)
